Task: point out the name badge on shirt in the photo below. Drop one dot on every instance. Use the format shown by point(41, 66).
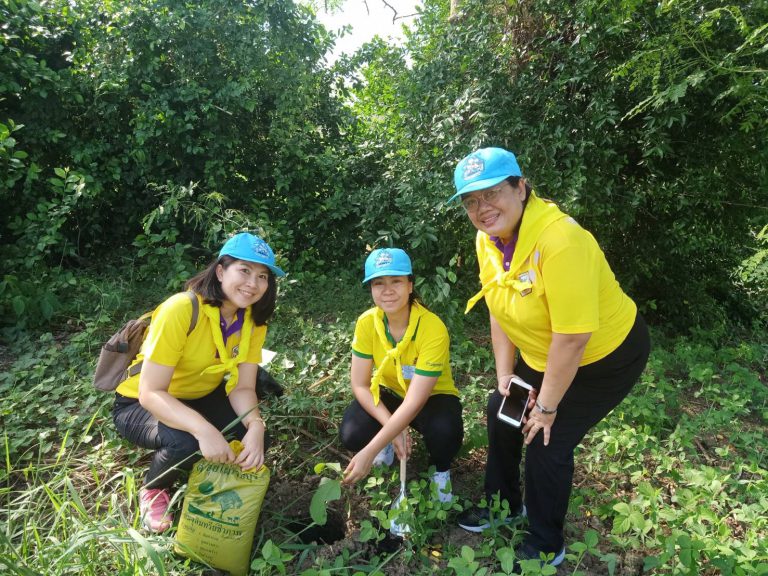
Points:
point(525, 277)
point(408, 372)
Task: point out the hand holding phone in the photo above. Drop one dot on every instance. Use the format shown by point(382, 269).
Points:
point(515, 406)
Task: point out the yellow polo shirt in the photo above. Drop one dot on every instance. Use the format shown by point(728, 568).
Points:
point(167, 343)
point(427, 354)
point(572, 288)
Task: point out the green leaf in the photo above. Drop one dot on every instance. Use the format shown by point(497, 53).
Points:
point(578, 547)
point(611, 560)
point(467, 553)
point(622, 508)
point(328, 491)
point(270, 552)
point(506, 558)
point(367, 531)
point(320, 466)
point(47, 306)
point(591, 538)
point(637, 520)
point(149, 550)
point(18, 305)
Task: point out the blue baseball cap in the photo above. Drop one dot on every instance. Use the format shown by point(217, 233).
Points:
point(251, 248)
point(387, 262)
point(484, 168)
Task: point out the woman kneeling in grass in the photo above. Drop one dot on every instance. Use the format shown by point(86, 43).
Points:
point(177, 403)
point(412, 384)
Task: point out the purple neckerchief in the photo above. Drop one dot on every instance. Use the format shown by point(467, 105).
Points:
point(508, 250)
point(233, 328)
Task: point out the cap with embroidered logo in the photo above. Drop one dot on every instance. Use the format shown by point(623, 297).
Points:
point(482, 169)
point(387, 262)
point(251, 248)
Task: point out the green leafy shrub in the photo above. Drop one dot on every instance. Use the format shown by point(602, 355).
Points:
point(589, 98)
point(752, 274)
point(142, 98)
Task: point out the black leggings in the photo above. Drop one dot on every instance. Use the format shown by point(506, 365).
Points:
point(173, 448)
point(596, 389)
point(439, 422)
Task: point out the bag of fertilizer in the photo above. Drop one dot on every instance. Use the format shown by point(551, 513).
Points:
point(219, 515)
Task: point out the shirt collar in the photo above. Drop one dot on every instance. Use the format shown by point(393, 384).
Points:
point(507, 250)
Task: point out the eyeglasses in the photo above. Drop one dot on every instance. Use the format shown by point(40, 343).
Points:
point(488, 196)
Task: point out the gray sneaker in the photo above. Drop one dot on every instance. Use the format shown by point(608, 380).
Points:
point(385, 457)
point(476, 519)
point(442, 480)
point(527, 552)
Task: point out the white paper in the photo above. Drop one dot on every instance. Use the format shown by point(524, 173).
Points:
point(266, 356)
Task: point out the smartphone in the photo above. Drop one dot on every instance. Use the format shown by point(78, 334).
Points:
point(515, 406)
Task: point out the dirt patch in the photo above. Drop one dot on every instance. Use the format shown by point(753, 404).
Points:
point(286, 511)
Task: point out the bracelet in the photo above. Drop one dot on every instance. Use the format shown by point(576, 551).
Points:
point(260, 419)
point(544, 410)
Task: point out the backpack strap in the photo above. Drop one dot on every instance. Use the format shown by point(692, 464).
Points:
point(136, 368)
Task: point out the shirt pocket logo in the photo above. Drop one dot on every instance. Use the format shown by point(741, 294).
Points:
point(525, 277)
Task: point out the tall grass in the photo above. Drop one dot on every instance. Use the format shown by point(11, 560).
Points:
point(69, 515)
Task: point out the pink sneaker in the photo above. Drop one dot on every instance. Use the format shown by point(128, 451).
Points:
point(153, 505)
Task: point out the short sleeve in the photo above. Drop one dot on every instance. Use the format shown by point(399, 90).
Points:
point(168, 329)
point(362, 342)
point(487, 272)
point(571, 276)
point(479, 247)
point(433, 349)
point(258, 336)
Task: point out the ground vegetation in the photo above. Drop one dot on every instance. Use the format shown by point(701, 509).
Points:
point(135, 136)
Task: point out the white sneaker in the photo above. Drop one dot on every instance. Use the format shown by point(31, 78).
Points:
point(442, 481)
point(386, 456)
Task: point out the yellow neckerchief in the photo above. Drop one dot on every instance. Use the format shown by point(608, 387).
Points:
point(228, 363)
point(394, 352)
point(538, 214)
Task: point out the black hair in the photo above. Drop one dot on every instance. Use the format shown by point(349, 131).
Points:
point(414, 296)
point(208, 285)
point(514, 181)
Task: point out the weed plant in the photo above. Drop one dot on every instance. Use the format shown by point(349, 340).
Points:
point(674, 482)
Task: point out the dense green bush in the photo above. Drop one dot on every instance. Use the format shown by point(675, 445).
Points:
point(643, 120)
point(172, 124)
point(111, 112)
point(229, 95)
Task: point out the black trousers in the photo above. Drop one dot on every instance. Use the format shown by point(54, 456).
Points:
point(439, 422)
point(597, 388)
point(173, 448)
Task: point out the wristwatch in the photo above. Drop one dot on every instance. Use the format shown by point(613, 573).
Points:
point(544, 410)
